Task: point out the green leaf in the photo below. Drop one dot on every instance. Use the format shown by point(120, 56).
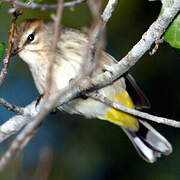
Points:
point(172, 34)
point(2, 49)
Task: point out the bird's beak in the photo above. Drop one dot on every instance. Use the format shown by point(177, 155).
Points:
point(15, 51)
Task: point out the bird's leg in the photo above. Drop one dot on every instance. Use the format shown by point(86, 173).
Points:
point(39, 99)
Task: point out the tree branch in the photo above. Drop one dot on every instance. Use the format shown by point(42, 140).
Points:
point(95, 41)
point(134, 112)
point(57, 24)
point(109, 10)
point(15, 123)
point(115, 71)
point(95, 44)
point(42, 7)
point(14, 108)
point(10, 44)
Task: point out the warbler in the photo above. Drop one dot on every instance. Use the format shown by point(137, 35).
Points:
point(33, 40)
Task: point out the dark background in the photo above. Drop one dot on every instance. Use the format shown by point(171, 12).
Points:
point(86, 149)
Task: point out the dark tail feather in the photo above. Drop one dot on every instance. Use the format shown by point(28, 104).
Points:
point(138, 97)
point(148, 142)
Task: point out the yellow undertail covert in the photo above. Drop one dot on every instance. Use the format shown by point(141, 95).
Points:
point(121, 118)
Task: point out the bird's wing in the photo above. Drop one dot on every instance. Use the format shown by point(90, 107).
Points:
point(138, 97)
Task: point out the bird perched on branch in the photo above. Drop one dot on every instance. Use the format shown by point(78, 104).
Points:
point(33, 40)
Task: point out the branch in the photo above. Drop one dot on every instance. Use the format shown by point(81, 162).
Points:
point(23, 139)
point(95, 41)
point(15, 123)
point(117, 70)
point(10, 44)
point(14, 108)
point(134, 112)
point(42, 7)
point(96, 34)
point(57, 24)
point(45, 163)
point(109, 10)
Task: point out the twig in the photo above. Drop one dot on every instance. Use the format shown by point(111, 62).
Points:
point(10, 44)
point(134, 112)
point(96, 34)
point(42, 7)
point(14, 108)
point(26, 140)
point(57, 24)
point(157, 43)
point(45, 164)
point(15, 123)
point(95, 38)
point(95, 8)
point(30, 130)
point(109, 10)
point(29, 136)
point(154, 32)
point(17, 146)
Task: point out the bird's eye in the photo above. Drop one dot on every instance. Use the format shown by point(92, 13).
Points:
point(30, 37)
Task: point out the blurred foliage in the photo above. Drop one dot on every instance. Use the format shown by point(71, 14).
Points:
point(37, 1)
point(24, 1)
point(86, 149)
point(27, 1)
point(2, 49)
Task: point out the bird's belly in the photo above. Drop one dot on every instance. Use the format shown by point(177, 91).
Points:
point(91, 108)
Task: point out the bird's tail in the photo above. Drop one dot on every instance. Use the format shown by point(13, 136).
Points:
point(148, 142)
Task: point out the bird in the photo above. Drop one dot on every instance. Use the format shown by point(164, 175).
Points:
point(33, 40)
